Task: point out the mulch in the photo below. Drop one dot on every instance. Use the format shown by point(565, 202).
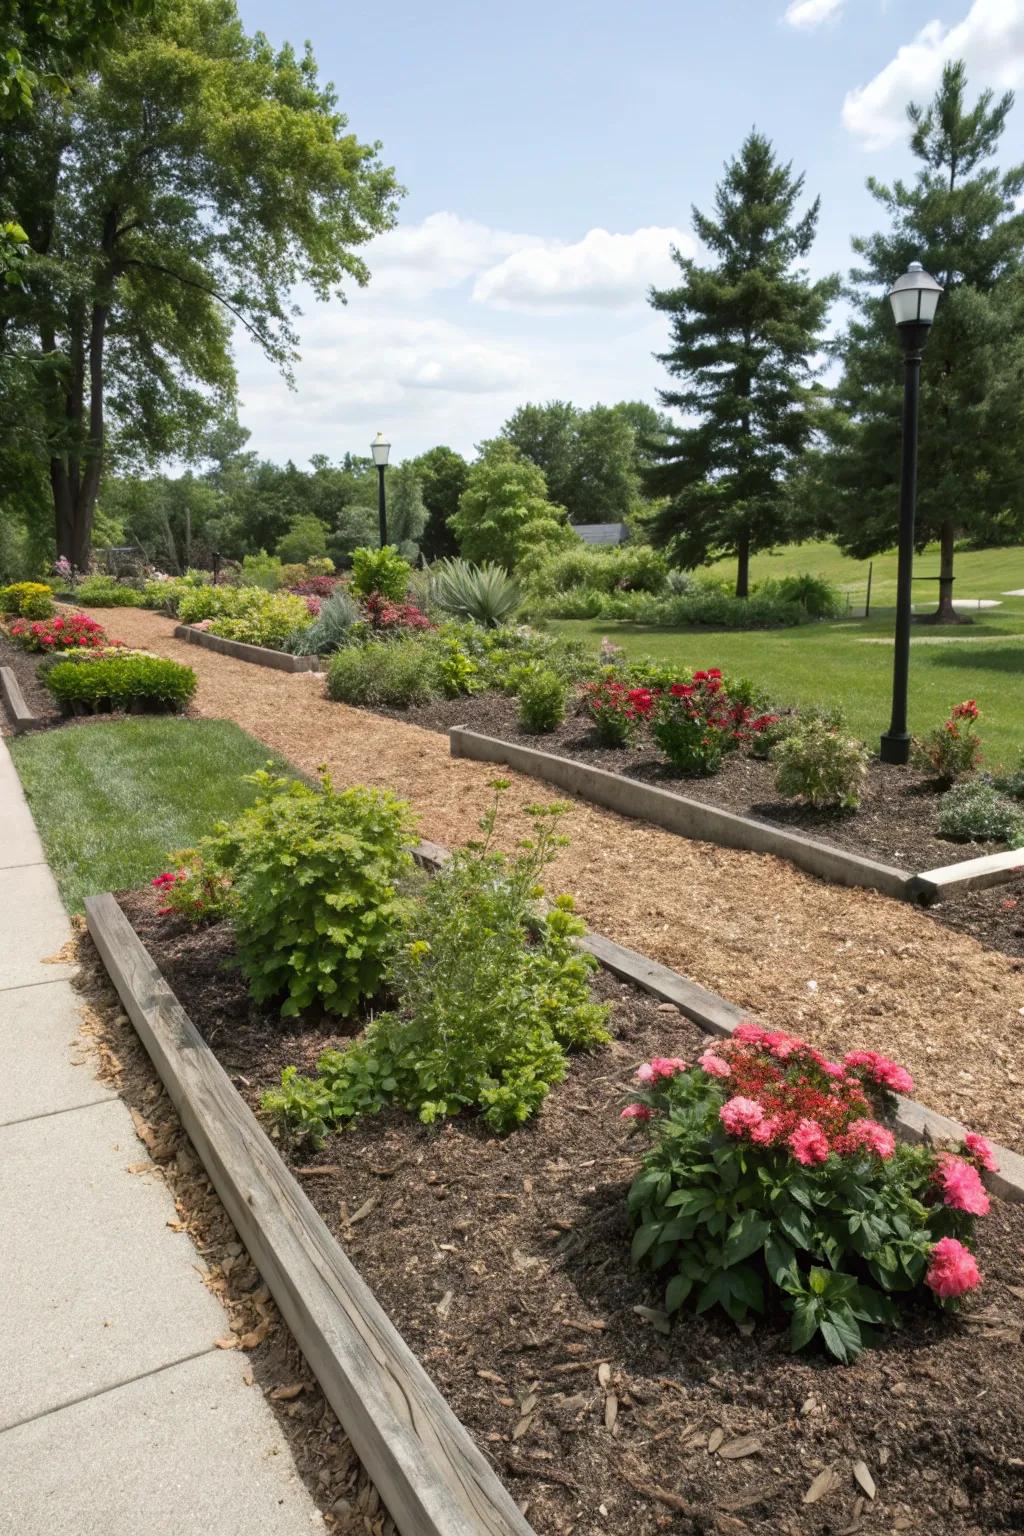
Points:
point(25, 666)
point(504, 1263)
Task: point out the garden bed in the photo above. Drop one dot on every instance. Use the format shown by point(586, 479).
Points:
point(25, 666)
point(504, 1263)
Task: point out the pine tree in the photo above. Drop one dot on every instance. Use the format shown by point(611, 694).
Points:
point(744, 331)
point(959, 219)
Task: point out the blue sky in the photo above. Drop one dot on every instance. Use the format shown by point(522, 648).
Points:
point(551, 155)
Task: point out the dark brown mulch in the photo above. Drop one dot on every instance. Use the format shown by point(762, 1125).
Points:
point(25, 666)
point(504, 1262)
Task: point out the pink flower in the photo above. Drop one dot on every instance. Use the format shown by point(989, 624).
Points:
point(636, 1112)
point(809, 1143)
point(740, 1114)
point(962, 1187)
point(953, 1270)
point(879, 1069)
point(978, 1148)
point(714, 1065)
point(833, 1069)
point(667, 1066)
point(765, 1133)
point(749, 1033)
point(645, 1074)
point(874, 1137)
point(780, 1044)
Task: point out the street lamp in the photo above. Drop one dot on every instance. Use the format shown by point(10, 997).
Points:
point(914, 298)
point(380, 450)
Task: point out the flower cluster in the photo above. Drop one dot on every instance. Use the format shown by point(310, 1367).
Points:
point(953, 750)
point(698, 722)
point(383, 614)
point(75, 632)
point(315, 586)
point(953, 1270)
point(164, 884)
point(617, 710)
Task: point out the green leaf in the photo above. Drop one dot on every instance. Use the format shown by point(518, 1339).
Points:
point(644, 1239)
point(747, 1233)
point(841, 1333)
point(781, 1262)
point(676, 1292)
point(804, 1324)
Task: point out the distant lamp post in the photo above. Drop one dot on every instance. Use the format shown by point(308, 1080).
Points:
point(914, 298)
point(380, 450)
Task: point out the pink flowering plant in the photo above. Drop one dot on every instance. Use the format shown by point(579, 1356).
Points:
point(697, 723)
point(773, 1184)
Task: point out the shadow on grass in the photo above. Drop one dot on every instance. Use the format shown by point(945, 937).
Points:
point(997, 658)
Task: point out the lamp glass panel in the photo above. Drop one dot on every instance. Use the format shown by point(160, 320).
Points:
point(904, 303)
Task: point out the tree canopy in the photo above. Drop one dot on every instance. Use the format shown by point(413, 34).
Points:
point(504, 514)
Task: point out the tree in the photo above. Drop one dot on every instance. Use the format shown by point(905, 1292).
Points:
point(306, 537)
point(406, 510)
point(504, 513)
point(588, 457)
point(174, 521)
point(184, 186)
point(744, 332)
point(442, 474)
point(959, 218)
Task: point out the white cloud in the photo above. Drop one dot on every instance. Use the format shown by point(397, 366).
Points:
point(811, 13)
point(602, 270)
point(990, 40)
point(440, 252)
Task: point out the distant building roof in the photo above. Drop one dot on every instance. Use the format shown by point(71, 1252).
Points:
point(602, 533)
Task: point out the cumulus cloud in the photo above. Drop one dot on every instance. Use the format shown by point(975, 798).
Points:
point(990, 40)
point(441, 251)
point(602, 270)
point(811, 13)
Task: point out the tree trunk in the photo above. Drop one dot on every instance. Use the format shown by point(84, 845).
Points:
point(743, 566)
point(945, 613)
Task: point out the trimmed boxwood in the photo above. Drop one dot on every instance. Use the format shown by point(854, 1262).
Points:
point(121, 682)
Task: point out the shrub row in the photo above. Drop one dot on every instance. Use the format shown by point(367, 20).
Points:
point(129, 681)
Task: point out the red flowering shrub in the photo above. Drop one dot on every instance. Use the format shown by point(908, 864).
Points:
point(315, 586)
point(954, 749)
point(74, 632)
point(617, 710)
point(384, 615)
point(772, 1183)
point(697, 723)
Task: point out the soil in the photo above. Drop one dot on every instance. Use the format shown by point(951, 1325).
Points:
point(895, 822)
point(839, 966)
point(504, 1263)
point(25, 666)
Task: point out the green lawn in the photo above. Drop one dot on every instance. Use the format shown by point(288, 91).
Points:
point(113, 800)
point(837, 663)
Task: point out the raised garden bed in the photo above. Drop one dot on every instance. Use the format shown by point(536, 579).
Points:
point(259, 655)
point(39, 699)
point(503, 1262)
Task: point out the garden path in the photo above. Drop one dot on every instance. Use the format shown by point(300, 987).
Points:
point(119, 1414)
point(845, 968)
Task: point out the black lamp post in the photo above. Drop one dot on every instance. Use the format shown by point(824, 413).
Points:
point(380, 450)
point(914, 298)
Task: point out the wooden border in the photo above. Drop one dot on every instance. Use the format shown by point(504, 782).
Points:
point(22, 717)
point(422, 1460)
point(259, 655)
point(969, 875)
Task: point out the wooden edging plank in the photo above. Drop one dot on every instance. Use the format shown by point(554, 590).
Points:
point(423, 1462)
point(687, 818)
point(22, 717)
point(969, 875)
point(259, 655)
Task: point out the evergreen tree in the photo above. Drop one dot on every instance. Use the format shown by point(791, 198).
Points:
point(959, 219)
point(744, 331)
point(442, 474)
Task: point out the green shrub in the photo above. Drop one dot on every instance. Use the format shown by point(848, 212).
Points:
point(817, 597)
point(821, 766)
point(314, 890)
point(262, 618)
point(388, 672)
point(484, 1018)
point(380, 570)
point(330, 630)
point(105, 592)
point(485, 594)
point(706, 606)
point(953, 749)
point(106, 683)
point(787, 722)
point(541, 698)
point(455, 671)
point(261, 570)
point(197, 603)
point(697, 722)
point(976, 812)
point(27, 600)
point(306, 537)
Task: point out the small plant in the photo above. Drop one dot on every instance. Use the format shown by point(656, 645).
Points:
point(26, 600)
point(821, 766)
point(330, 631)
point(389, 617)
point(817, 597)
point(787, 723)
point(696, 723)
point(976, 812)
point(261, 570)
point(389, 672)
point(199, 890)
point(953, 750)
point(617, 711)
point(1012, 783)
point(74, 633)
point(130, 681)
point(484, 1018)
point(772, 1185)
point(455, 671)
point(485, 594)
point(541, 699)
point(380, 570)
point(105, 592)
point(260, 618)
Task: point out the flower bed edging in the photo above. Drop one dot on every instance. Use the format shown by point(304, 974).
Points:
point(260, 655)
point(22, 717)
point(968, 875)
point(426, 1467)
point(688, 818)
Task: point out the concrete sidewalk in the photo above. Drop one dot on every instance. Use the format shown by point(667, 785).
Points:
point(118, 1415)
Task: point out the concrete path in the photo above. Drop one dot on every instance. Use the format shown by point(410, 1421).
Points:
point(117, 1413)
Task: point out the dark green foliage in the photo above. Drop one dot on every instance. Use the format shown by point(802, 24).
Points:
point(442, 475)
point(104, 592)
point(588, 457)
point(106, 683)
point(541, 699)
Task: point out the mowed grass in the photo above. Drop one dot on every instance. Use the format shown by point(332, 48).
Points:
point(112, 800)
point(837, 663)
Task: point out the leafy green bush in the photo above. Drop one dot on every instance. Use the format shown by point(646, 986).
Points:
point(315, 890)
point(976, 812)
point(485, 594)
point(696, 723)
point(130, 681)
point(380, 570)
point(330, 630)
point(305, 538)
point(456, 672)
point(626, 567)
point(786, 723)
point(817, 597)
point(821, 766)
point(484, 1018)
point(388, 672)
point(26, 600)
point(704, 607)
point(263, 618)
point(261, 570)
point(105, 592)
point(953, 749)
point(617, 711)
point(771, 1185)
point(541, 699)
point(198, 603)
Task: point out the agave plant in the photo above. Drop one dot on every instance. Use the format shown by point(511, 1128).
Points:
point(487, 594)
point(330, 630)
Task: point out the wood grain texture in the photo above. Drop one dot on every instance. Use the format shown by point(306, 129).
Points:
point(426, 1467)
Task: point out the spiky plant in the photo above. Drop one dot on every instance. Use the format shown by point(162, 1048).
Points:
point(487, 594)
